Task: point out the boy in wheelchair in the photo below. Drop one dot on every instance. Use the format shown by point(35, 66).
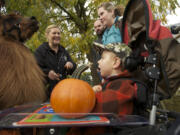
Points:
point(118, 90)
point(116, 93)
point(119, 93)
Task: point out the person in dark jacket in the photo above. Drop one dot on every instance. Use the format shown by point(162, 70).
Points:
point(53, 59)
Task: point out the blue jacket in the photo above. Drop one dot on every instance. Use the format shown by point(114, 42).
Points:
point(112, 34)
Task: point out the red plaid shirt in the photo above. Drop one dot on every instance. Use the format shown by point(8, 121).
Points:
point(116, 96)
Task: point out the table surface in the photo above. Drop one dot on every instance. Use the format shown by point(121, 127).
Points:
point(12, 115)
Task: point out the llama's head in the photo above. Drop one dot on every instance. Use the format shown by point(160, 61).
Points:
point(17, 27)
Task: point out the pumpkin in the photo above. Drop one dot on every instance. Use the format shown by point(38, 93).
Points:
point(72, 96)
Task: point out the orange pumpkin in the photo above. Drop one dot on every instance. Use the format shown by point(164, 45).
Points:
point(72, 96)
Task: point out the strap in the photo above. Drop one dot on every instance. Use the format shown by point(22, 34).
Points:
point(123, 78)
point(111, 79)
point(118, 24)
point(164, 74)
point(140, 89)
point(34, 131)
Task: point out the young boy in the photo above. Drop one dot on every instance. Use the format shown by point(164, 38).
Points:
point(115, 94)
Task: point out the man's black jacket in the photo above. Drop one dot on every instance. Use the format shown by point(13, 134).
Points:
point(48, 60)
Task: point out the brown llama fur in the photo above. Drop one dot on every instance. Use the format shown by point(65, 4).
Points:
point(21, 79)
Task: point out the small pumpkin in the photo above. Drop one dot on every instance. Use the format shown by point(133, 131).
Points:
point(72, 96)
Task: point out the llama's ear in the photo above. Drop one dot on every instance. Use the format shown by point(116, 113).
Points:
point(2, 3)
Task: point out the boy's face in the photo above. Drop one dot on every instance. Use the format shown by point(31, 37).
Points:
point(106, 63)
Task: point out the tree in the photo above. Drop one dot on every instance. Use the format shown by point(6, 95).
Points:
point(76, 18)
point(161, 8)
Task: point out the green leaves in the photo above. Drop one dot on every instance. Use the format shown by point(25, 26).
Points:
point(75, 18)
point(161, 8)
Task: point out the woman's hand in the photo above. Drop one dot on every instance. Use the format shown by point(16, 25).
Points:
point(53, 75)
point(68, 65)
point(97, 88)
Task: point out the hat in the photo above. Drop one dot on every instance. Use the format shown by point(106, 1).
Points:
point(120, 49)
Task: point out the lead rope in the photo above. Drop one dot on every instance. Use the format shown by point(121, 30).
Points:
point(34, 131)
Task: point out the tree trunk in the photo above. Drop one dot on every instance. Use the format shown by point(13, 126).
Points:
point(93, 58)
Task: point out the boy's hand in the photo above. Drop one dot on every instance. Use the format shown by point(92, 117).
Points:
point(97, 88)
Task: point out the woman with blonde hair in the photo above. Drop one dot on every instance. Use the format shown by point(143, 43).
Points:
point(110, 16)
point(53, 59)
